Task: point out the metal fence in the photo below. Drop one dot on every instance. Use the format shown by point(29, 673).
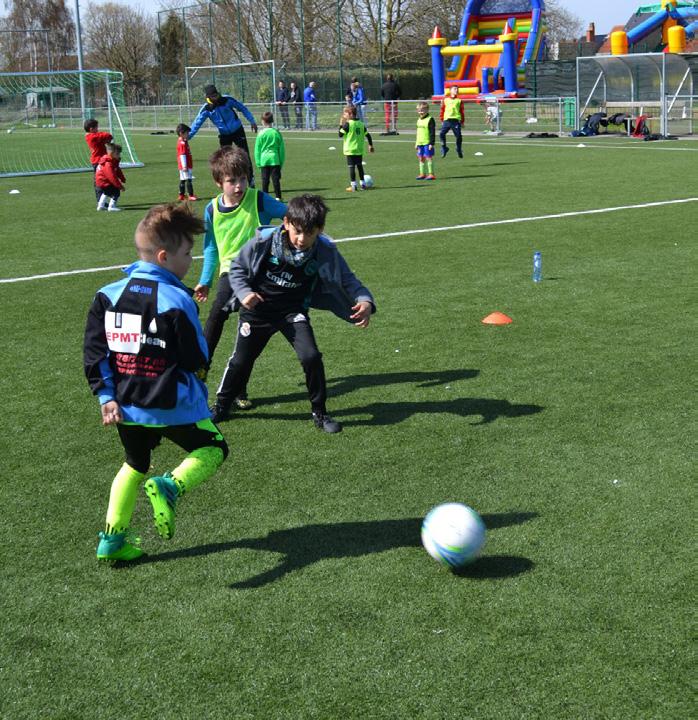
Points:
point(553, 115)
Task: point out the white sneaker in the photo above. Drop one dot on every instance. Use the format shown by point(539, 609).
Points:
point(113, 208)
point(101, 207)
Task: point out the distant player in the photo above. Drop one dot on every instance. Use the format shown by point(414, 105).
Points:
point(426, 138)
point(97, 142)
point(452, 117)
point(146, 359)
point(185, 164)
point(355, 136)
point(110, 179)
point(270, 154)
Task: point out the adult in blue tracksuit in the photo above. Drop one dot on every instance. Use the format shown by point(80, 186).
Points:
point(222, 111)
point(310, 100)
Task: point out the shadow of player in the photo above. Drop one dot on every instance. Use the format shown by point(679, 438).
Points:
point(342, 385)
point(308, 544)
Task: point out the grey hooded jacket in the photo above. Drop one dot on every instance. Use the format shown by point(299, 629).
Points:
point(337, 290)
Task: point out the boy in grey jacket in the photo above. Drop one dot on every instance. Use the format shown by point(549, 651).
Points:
point(276, 278)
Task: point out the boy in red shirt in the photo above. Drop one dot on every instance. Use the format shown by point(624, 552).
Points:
point(109, 178)
point(185, 163)
point(96, 141)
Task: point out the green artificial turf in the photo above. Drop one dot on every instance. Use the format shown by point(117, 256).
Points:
point(296, 585)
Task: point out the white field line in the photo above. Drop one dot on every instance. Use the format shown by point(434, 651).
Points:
point(594, 143)
point(401, 233)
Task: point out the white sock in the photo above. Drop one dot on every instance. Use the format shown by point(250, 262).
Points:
point(112, 203)
point(103, 201)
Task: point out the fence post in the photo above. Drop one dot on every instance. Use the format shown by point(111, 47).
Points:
point(559, 113)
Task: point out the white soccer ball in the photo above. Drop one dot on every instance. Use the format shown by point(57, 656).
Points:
point(453, 534)
point(10, 130)
point(368, 180)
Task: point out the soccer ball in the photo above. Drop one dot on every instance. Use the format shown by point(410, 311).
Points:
point(453, 534)
point(368, 180)
point(10, 130)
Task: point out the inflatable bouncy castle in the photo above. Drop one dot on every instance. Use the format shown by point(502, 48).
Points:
point(496, 40)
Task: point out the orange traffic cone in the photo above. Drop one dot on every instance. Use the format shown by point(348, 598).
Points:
point(497, 318)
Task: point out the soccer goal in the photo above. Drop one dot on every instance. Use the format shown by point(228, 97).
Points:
point(250, 82)
point(42, 116)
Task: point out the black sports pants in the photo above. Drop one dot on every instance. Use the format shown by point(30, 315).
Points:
point(140, 440)
point(240, 139)
point(218, 315)
point(272, 172)
point(253, 335)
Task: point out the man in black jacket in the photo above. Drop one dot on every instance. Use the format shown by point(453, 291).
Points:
point(390, 92)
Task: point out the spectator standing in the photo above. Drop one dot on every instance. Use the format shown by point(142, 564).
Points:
point(282, 104)
point(310, 101)
point(390, 92)
point(358, 100)
point(296, 99)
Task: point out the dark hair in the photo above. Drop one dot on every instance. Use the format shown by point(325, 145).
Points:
point(182, 128)
point(307, 212)
point(211, 90)
point(168, 226)
point(229, 161)
point(113, 147)
point(268, 117)
point(90, 124)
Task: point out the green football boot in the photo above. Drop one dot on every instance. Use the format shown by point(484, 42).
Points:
point(162, 492)
point(116, 546)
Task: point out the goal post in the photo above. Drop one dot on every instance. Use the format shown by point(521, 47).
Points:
point(249, 82)
point(42, 116)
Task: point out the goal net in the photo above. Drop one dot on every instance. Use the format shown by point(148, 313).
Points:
point(42, 116)
point(250, 83)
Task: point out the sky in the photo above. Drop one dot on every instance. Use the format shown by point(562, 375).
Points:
point(603, 13)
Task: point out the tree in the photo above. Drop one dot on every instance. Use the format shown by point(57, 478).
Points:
point(170, 45)
point(562, 24)
point(41, 31)
point(120, 38)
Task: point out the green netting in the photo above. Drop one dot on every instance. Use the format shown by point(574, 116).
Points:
point(42, 114)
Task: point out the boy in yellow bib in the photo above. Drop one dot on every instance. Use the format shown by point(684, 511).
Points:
point(355, 136)
point(230, 220)
point(452, 118)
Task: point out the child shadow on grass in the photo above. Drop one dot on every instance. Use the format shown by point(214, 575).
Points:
point(308, 544)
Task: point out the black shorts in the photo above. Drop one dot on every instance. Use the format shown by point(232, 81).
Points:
point(355, 160)
point(140, 440)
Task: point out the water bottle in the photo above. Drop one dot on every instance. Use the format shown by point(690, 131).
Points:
point(537, 267)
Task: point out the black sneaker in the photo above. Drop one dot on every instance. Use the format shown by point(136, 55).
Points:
point(444, 150)
point(460, 153)
point(242, 402)
point(326, 423)
point(219, 413)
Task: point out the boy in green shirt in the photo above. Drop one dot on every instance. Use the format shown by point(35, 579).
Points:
point(355, 136)
point(270, 154)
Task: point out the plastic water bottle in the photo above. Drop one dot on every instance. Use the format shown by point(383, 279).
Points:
point(537, 267)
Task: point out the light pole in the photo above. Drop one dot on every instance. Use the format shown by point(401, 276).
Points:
point(78, 39)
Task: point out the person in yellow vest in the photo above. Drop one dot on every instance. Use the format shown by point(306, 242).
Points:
point(230, 220)
point(452, 118)
point(355, 136)
point(426, 137)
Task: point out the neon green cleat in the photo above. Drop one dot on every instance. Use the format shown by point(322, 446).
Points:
point(162, 492)
point(116, 546)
